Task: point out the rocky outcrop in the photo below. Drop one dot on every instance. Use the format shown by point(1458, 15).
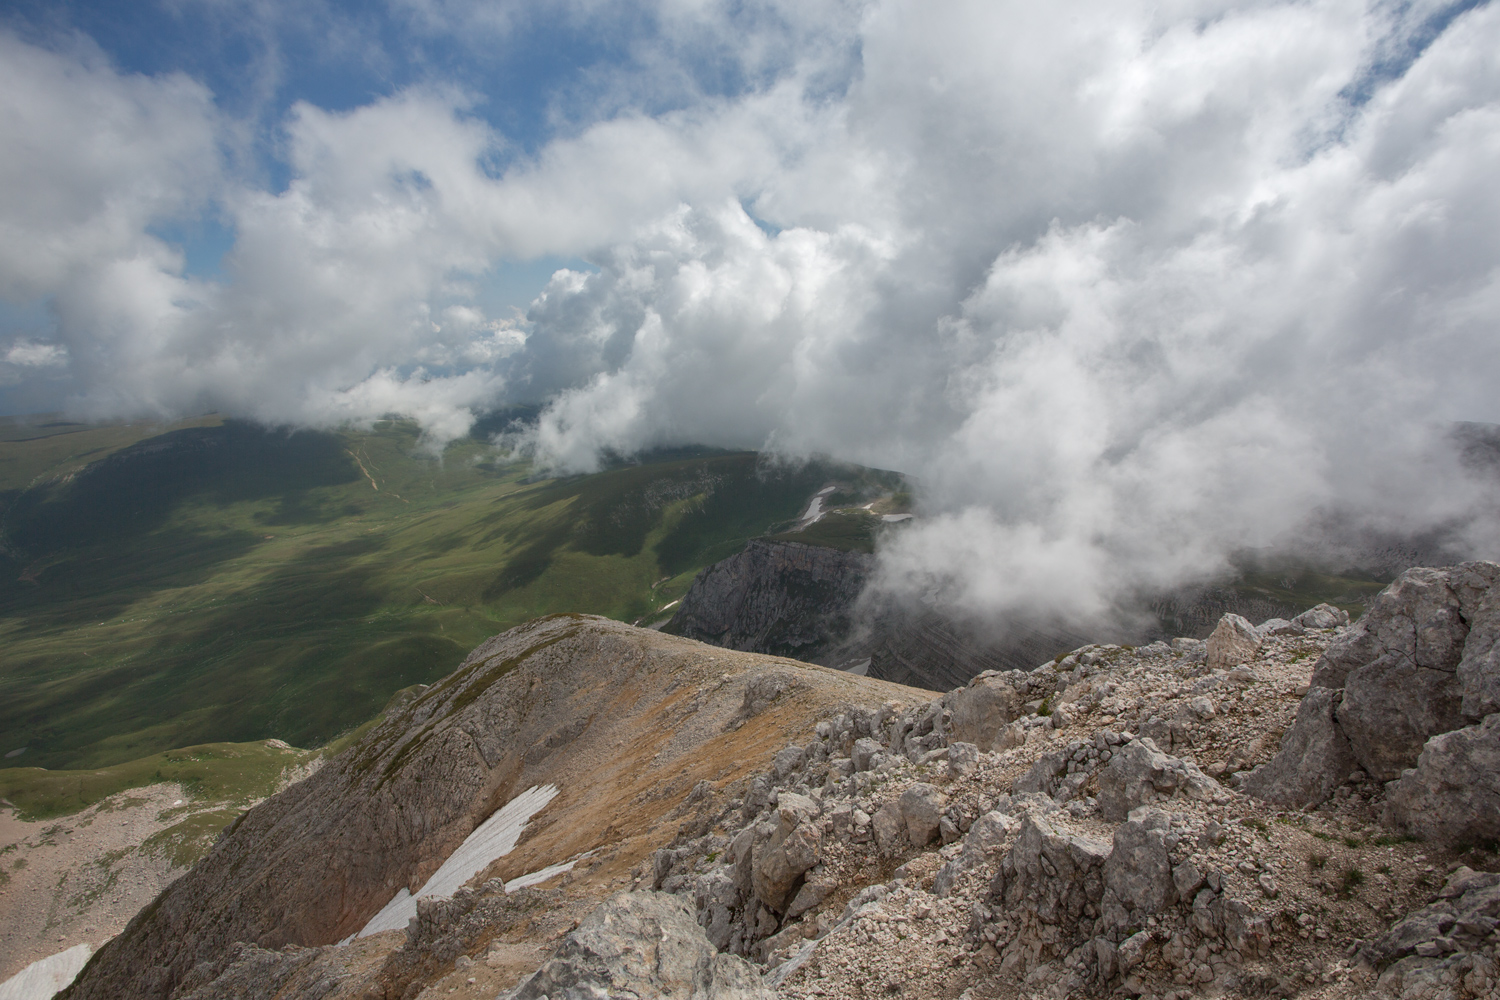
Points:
point(1315, 757)
point(548, 703)
point(1408, 693)
point(1233, 641)
point(1453, 794)
point(782, 598)
point(866, 850)
point(641, 944)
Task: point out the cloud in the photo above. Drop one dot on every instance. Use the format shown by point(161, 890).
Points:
point(1126, 286)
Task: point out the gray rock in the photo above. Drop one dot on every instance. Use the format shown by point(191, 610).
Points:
point(890, 828)
point(715, 896)
point(641, 944)
point(1453, 794)
point(988, 834)
point(1315, 757)
point(963, 758)
point(1234, 641)
point(922, 810)
point(1057, 876)
point(982, 711)
point(864, 753)
point(1139, 773)
point(1463, 917)
point(1138, 875)
point(788, 760)
point(1407, 688)
point(1280, 626)
point(1322, 616)
point(792, 847)
point(1479, 669)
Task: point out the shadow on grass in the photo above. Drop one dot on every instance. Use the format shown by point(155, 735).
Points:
point(295, 657)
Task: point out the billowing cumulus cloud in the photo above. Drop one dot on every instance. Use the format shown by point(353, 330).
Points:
point(1127, 287)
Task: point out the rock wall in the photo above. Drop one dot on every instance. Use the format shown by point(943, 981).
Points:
point(781, 598)
point(1410, 696)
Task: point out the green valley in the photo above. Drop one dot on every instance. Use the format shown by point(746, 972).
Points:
point(215, 581)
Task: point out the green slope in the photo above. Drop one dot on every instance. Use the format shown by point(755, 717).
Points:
point(218, 582)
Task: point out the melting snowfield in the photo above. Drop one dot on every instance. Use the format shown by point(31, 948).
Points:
point(45, 976)
point(492, 839)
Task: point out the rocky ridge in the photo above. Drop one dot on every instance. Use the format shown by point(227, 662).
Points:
point(1084, 828)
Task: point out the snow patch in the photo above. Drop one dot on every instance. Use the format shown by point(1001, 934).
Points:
point(815, 509)
point(491, 840)
point(895, 517)
point(539, 876)
point(45, 976)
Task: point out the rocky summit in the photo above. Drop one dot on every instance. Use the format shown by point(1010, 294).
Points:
point(1303, 807)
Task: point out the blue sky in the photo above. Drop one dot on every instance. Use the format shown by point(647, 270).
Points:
point(1099, 275)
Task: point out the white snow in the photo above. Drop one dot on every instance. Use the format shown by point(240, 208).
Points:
point(493, 839)
point(539, 876)
point(45, 976)
point(895, 517)
point(815, 509)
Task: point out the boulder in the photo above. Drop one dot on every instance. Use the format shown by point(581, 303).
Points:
point(1055, 875)
point(1315, 757)
point(982, 711)
point(1401, 684)
point(641, 944)
point(890, 828)
point(922, 810)
point(1479, 670)
point(1139, 773)
point(788, 760)
point(1234, 641)
point(792, 846)
point(1138, 878)
point(1280, 626)
point(1322, 616)
point(865, 753)
point(963, 758)
point(1453, 794)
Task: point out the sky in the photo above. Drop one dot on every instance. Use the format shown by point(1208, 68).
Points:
point(1127, 287)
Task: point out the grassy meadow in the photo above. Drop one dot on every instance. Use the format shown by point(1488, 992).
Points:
point(215, 582)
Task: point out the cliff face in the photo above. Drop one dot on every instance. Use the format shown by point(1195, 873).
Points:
point(783, 598)
point(625, 722)
point(791, 599)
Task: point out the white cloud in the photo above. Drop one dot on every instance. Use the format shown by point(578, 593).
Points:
point(1126, 285)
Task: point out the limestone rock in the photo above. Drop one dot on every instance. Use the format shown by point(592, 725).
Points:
point(1464, 916)
point(1234, 641)
point(1322, 616)
point(1138, 875)
point(1053, 874)
point(1406, 689)
point(1139, 773)
point(641, 944)
point(988, 834)
point(981, 711)
point(962, 759)
point(1315, 757)
point(1479, 669)
point(889, 827)
point(1453, 794)
point(864, 753)
point(922, 810)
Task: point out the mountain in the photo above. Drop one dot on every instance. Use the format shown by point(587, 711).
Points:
point(585, 808)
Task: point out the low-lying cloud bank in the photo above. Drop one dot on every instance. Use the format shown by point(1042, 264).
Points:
point(1127, 287)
